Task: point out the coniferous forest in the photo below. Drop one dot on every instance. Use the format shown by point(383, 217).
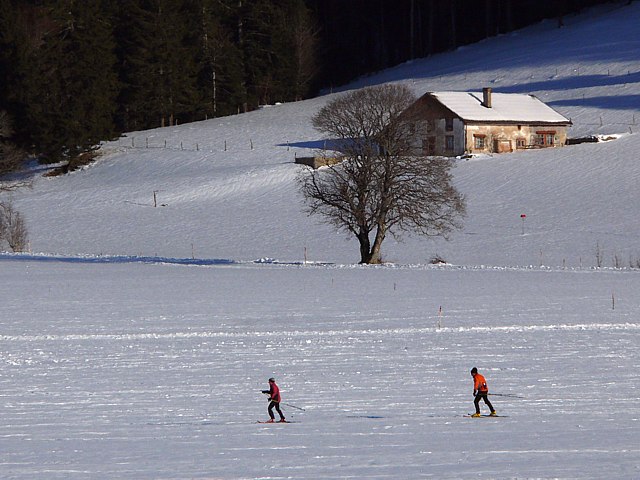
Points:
point(74, 73)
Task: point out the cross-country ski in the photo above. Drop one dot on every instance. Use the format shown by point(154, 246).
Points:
point(274, 422)
point(484, 415)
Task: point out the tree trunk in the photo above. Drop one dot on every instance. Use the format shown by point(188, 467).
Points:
point(487, 18)
point(376, 255)
point(412, 35)
point(431, 30)
point(452, 28)
point(365, 246)
point(371, 254)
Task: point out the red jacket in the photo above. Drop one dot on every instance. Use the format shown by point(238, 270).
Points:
point(480, 383)
point(274, 392)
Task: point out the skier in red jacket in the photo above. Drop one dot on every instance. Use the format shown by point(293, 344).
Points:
point(481, 392)
point(274, 400)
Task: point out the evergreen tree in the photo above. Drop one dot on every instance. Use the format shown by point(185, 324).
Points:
point(270, 49)
point(305, 37)
point(159, 73)
point(68, 80)
point(23, 26)
point(218, 57)
point(7, 48)
point(11, 157)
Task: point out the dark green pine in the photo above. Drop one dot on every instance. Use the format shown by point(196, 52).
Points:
point(69, 81)
point(213, 33)
point(159, 72)
point(272, 50)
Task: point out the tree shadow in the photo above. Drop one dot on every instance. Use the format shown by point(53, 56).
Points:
point(330, 144)
point(570, 83)
point(622, 102)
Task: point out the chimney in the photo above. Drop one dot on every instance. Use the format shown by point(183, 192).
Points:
point(486, 97)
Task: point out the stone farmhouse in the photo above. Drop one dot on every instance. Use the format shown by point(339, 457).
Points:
point(457, 123)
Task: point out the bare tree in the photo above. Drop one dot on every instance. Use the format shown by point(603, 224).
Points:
point(380, 187)
point(13, 229)
point(617, 260)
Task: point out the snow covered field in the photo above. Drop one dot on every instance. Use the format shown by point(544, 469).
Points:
point(155, 371)
point(135, 340)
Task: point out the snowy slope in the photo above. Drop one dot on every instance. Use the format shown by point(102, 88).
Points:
point(229, 184)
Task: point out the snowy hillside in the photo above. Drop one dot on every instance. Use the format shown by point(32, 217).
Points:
point(228, 184)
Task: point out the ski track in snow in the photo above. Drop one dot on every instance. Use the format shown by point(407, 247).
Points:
point(322, 333)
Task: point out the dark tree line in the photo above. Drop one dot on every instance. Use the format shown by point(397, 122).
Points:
point(74, 73)
point(363, 36)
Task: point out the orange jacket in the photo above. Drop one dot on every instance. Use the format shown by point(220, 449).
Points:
point(480, 383)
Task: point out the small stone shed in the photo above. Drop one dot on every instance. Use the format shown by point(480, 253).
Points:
point(318, 161)
point(458, 123)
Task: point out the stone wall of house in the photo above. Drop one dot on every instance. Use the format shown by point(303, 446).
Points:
point(507, 138)
point(431, 124)
point(430, 137)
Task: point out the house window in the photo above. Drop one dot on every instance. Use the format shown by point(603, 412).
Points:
point(545, 139)
point(521, 143)
point(479, 142)
point(448, 124)
point(449, 143)
point(549, 138)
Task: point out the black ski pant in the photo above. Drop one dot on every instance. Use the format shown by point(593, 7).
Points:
point(273, 404)
point(482, 396)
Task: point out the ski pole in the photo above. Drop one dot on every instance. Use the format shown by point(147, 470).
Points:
point(505, 395)
point(293, 406)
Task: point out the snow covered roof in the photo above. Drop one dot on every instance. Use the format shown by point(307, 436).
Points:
point(505, 107)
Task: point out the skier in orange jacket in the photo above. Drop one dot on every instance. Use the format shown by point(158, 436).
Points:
point(481, 392)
